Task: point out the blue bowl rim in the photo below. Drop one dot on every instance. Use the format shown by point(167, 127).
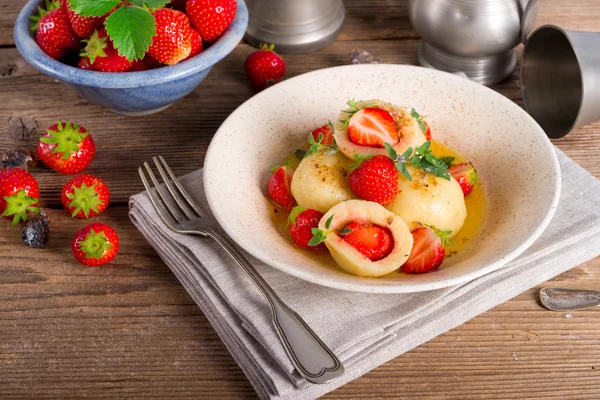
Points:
point(35, 56)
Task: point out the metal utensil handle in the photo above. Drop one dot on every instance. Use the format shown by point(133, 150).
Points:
point(568, 299)
point(311, 357)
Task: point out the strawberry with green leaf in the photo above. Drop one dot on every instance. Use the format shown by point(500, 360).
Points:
point(173, 40)
point(370, 126)
point(422, 124)
point(54, 33)
point(264, 67)
point(67, 148)
point(19, 194)
point(102, 55)
point(96, 244)
point(301, 223)
point(82, 26)
point(466, 176)
point(428, 251)
point(327, 132)
point(85, 196)
point(279, 187)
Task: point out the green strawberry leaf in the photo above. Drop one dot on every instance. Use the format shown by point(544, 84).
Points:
point(314, 145)
point(131, 29)
point(151, 4)
point(443, 235)
point(360, 159)
point(93, 8)
point(294, 214)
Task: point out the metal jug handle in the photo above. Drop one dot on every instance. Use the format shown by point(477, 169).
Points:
point(528, 19)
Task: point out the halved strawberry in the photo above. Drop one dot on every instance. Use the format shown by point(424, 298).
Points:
point(373, 127)
point(466, 176)
point(301, 223)
point(327, 132)
point(427, 252)
point(371, 240)
point(375, 179)
point(279, 188)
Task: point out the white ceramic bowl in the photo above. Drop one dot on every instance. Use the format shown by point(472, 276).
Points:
point(513, 157)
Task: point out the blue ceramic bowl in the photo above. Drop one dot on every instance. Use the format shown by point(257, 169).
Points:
point(131, 93)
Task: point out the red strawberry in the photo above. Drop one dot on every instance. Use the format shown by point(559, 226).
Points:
point(173, 40)
point(264, 67)
point(301, 223)
point(19, 194)
point(55, 35)
point(67, 148)
point(85, 196)
point(84, 63)
point(327, 132)
point(373, 127)
point(279, 188)
point(144, 64)
point(211, 17)
point(82, 26)
point(428, 131)
point(102, 54)
point(375, 179)
point(371, 240)
point(427, 252)
point(196, 41)
point(96, 244)
point(465, 175)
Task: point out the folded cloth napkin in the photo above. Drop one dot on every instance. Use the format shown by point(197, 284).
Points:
point(364, 330)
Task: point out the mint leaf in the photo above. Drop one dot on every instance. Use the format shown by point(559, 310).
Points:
point(294, 214)
point(391, 152)
point(318, 237)
point(360, 159)
point(151, 4)
point(328, 222)
point(448, 160)
point(131, 29)
point(428, 162)
point(346, 231)
point(401, 166)
point(419, 119)
point(93, 8)
point(314, 145)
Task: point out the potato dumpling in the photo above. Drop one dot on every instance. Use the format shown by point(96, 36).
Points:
point(430, 200)
point(321, 181)
point(349, 258)
point(409, 131)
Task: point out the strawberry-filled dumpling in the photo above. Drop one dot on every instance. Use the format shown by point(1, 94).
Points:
point(364, 238)
point(365, 126)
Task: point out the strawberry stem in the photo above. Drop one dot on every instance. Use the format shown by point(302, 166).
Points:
point(67, 139)
point(50, 5)
point(95, 245)
point(94, 47)
point(17, 205)
point(84, 199)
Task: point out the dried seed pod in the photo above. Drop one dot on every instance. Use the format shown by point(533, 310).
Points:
point(18, 157)
point(35, 233)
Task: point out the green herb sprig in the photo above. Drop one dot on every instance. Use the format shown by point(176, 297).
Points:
point(422, 158)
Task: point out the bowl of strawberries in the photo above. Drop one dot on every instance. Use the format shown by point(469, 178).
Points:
point(134, 57)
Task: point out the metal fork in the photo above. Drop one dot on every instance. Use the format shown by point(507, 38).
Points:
point(311, 357)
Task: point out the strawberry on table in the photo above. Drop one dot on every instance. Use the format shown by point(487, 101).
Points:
point(85, 196)
point(279, 188)
point(264, 67)
point(327, 132)
point(371, 240)
point(102, 55)
point(427, 252)
point(375, 179)
point(19, 194)
point(173, 40)
point(301, 223)
point(372, 127)
point(67, 148)
point(82, 26)
point(54, 33)
point(466, 176)
point(211, 17)
point(96, 244)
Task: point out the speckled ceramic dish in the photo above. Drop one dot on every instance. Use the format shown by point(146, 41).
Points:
point(131, 93)
point(513, 156)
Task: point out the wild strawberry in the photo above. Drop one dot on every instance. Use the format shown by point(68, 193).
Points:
point(67, 148)
point(85, 196)
point(466, 176)
point(279, 188)
point(211, 17)
point(428, 252)
point(196, 42)
point(82, 26)
point(173, 40)
point(102, 54)
point(19, 194)
point(371, 240)
point(264, 67)
point(327, 132)
point(301, 223)
point(144, 64)
point(54, 35)
point(375, 179)
point(96, 244)
point(372, 127)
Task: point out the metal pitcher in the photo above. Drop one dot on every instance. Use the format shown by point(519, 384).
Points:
point(476, 37)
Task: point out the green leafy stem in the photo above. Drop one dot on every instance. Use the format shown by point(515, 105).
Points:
point(420, 157)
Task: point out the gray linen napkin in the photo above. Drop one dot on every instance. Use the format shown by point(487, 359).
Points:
point(364, 330)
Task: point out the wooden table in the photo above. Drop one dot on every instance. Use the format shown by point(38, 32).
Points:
point(130, 330)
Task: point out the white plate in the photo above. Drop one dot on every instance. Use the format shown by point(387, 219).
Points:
point(513, 156)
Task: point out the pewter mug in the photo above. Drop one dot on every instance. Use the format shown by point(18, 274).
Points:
point(476, 37)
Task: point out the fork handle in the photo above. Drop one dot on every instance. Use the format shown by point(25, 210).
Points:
point(309, 355)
